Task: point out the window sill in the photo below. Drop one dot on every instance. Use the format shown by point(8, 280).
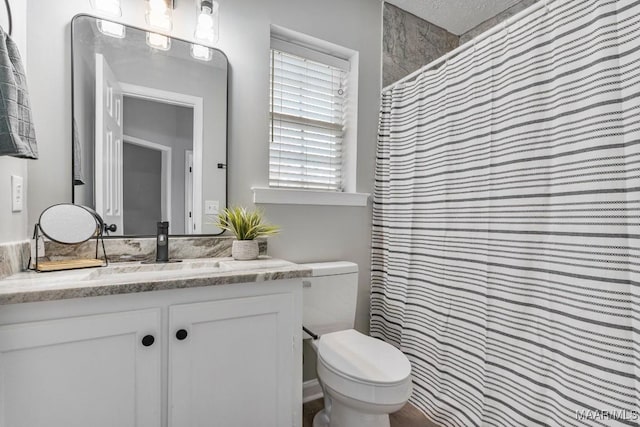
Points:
point(285, 196)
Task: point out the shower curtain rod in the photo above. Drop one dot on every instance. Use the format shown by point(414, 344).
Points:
point(500, 27)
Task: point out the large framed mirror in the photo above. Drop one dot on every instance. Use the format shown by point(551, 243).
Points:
point(149, 129)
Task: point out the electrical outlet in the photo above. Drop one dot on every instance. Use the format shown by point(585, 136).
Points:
point(17, 193)
point(211, 207)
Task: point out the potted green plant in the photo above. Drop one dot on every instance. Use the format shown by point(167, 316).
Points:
point(246, 226)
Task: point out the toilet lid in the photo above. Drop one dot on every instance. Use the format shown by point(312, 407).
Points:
point(363, 358)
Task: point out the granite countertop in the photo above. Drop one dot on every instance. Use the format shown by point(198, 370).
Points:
point(124, 278)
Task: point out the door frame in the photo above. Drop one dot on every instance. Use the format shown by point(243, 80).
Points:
point(188, 192)
point(165, 183)
point(182, 100)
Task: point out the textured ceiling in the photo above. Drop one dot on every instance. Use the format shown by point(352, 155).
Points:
point(456, 16)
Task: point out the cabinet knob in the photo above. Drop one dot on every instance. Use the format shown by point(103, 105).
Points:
point(181, 334)
point(148, 340)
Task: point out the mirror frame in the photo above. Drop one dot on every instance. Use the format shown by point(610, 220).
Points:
point(226, 166)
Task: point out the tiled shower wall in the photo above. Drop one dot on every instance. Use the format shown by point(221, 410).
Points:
point(409, 42)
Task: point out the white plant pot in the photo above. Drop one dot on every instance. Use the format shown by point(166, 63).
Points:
point(244, 250)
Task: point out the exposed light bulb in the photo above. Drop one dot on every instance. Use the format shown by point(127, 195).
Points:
point(200, 52)
point(158, 41)
point(159, 14)
point(205, 21)
point(158, 20)
point(159, 5)
point(111, 29)
point(207, 27)
point(110, 7)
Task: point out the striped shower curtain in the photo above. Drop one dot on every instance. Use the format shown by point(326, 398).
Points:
point(506, 241)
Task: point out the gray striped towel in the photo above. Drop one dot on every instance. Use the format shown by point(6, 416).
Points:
point(17, 135)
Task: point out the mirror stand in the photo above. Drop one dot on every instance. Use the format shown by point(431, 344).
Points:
point(46, 266)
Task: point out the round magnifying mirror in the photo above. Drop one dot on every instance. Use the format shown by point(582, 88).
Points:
point(68, 223)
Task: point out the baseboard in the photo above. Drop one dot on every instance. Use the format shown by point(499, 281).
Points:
point(311, 390)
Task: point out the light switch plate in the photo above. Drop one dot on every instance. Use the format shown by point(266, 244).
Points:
point(211, 207)
point(17, 193)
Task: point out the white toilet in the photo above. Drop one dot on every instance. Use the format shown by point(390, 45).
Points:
point(363, 379)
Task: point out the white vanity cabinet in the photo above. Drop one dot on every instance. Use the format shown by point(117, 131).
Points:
point(225, 355)
point(230, 362)
point(82, 371)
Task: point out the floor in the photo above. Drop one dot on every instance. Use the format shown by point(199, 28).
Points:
point(408, 416)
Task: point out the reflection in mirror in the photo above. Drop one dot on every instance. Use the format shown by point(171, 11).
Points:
point(149, 128)
point(69, 224)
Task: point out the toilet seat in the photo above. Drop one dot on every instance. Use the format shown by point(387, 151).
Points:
point(364, 368)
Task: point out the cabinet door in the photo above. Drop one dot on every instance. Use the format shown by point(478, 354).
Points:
point(81, 371)
point(235, 367)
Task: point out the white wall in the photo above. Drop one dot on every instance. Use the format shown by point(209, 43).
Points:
point(310, 233)
point(14, 226)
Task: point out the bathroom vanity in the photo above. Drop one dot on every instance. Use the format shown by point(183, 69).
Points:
point(202, 342)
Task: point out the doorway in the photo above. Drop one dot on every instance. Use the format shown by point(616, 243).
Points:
point(168, 129)
point(152, 123)
point(146, 185)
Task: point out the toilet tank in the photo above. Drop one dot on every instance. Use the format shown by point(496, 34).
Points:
point(329, 297)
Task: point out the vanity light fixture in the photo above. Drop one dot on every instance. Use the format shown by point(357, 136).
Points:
point(159, 14)
point(200, 52)
point(158, 41)
point(109, 7)
point(111, 29)
point(207, 26)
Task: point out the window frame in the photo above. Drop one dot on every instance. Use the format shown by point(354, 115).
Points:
point(321, 51)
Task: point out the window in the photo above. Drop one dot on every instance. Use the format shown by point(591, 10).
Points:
point(308, 104)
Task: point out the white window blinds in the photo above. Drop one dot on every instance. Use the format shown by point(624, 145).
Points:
point(308, 100)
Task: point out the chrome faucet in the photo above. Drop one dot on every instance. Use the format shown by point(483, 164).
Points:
point(162, 242)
